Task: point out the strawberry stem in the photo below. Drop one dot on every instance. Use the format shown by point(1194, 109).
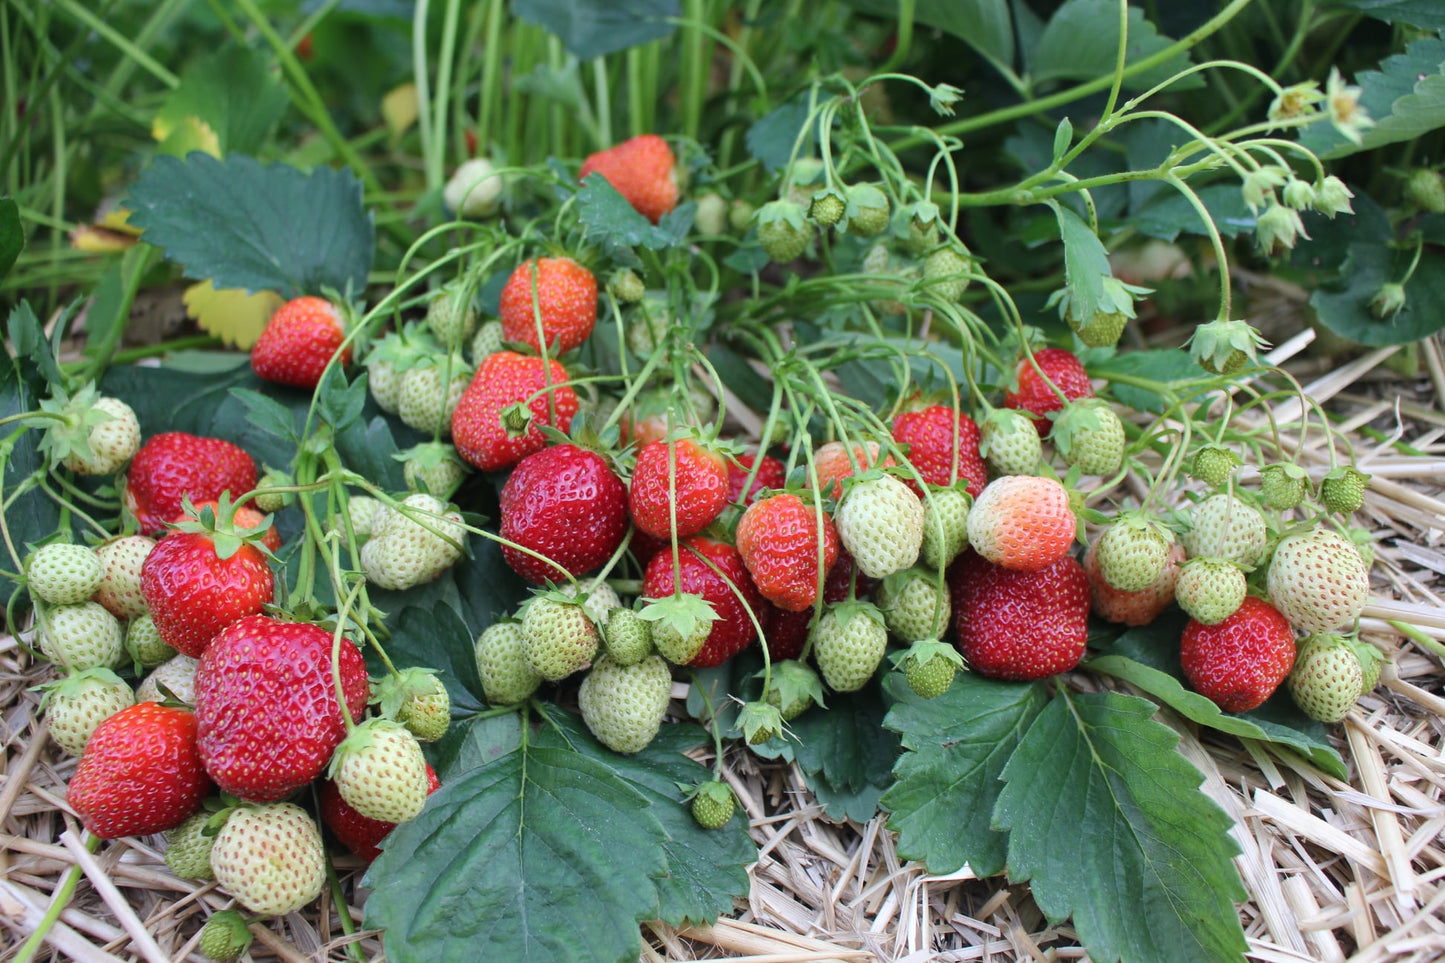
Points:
point(59, 900)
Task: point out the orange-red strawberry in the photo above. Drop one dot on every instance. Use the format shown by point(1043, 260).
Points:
point(1022, 522)
point(1035, 392)
point(692, 474)
point(778, 539)
point(565, 307)
point(175, 464)
point(833, 463)
point(565, 503)
point(266, 708)
point(500, 416)
point(715, 572)
point(1131, 608)
point(642, 170)
point(942, 447)
point(1019, 625)
point(299, 342)
point(770, 475)
point(360, 834)
point(1238, 663)
point(246, 517)
point(140, 773)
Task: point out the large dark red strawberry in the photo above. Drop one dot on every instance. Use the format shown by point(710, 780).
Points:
point(1037, 396)
point(1238, 663)
point(172, 465)
point(1021, 625)
point(771, 474)
point(140, 773)
point(565, 503)
point(360, 834)
point(942, 447)
point(266, 705)
point(697, 558)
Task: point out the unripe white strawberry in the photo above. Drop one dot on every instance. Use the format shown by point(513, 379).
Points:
point(380, 771)
point(417, 699)
point(188, 847)
point(1089, 435)
point(177, 675)
point(122, 559)
point(1210, 590)
point(270, 858)
point(474, 190)
point(426, 398)
point(881, 525)
point(434, 468)
point(143, 642)
point(849, 641)
point(1010, 442)
point(599, 598)
point(62, 573)
point(412, 545)
point(945, 526)
point(914, 605)
point(623, 705)
point(507, 677)
point(384, 380)
point(1318, 581)
point(1222, 526)
point(487, 341)
point(946, 270)
point(450, 315)
point(82, 636)
point(363, 511)
point(100, 437)
point(76, 704)
point(1327, 678)
point(1131, 608)
point(1133, 551)
point(559, 637)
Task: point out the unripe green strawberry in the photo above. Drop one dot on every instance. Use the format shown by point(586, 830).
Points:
point(1210, 590)
point(1427, 189)
point(433, 467)
point(712, 214)
point(804, 179)
point(426, 397)
point(782, 231)
point(487, 341)
point(827, 207)
point(450, 315)
point(923, 218)
point(267, 498)
point(224, 937)
point(681, 625)
point(929, 667)
point(946, 271)
point(1318, 581)
point(122, 559)
point(794, 689)
point(417, 699)
point(177, 675)
point(867, 210)
point(914, 605)
point(880, 523)
point(1089, 435)
point(1010, 443)
point(1282, 486)
point(1371, 662)
point(380, 771)
point(97, 435)
point(82, 635)
point(849, 641)
point(1213, 464)
point(76, 704)
point(188, 847)
point(623, 705)
point(1223, 526)
point(559, 637)
point(1327, 678)
point(714, 805)
point(507, 677)
point(1133, 552)
point(413, 546)
point(62, 574)
point(945, 526)
point(143, 643)
point(1342, 490)
point(270, 858)
point(628, 637)
point(760, 722)
point(1102, 330)
point(363, 511)
point(626, 286)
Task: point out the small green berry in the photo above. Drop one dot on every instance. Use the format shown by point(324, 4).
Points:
point(714, 805)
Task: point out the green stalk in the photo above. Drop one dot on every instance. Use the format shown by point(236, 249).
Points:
point(121, 42)
point(59, 900)
point(492, 57)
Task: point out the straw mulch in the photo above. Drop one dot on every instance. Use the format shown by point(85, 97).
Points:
point(1335, 870)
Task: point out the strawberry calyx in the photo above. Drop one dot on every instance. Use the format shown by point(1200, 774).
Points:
point(759, 722)
point(391, 692)
point(683, 613)
point(1223, 347)
point(68, 421)
point(74, 683)
point(219, 523)
point(793, 687)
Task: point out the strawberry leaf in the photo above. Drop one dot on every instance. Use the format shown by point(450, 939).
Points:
point(847, 746)
point(242, 224)
point(948, 779)
point(608, 219)
point(436, 638)
point(592, 28)
point(232, 92)
point(1152, 877)
point(12, 235)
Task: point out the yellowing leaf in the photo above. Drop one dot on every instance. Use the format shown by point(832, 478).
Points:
point(99, 240)
point(188, 134)
point(399, 109)
point(231, 314)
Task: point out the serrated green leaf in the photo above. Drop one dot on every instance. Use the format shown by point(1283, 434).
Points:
point(1345, 309)
point(609, 220)
point(1107, 823)
point(1405, 98)
point(12, 235)
point(984, 25)
point(231, 91)
point(31, 516)
point(1426, 14)
point(366, 445)
point(240, 224)
point(514, 856)
point(1169, 213)
point(339, 403)
point(1162, 365)
point(1086, 263)
point(948, 780)
point(1081, 42)
point(593, 28)
point(847, 744)
point(772, 137)
point(267, 413)
point(435, 638)
point(472, 743)
point(32, 350)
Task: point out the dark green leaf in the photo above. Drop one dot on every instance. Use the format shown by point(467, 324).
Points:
point(1426, 14)
point(32, 350)
point(859, 805)
point(1086, 263)
point(1330, 239)
point(983, 24)
point(772, 138)
point(749, 258)
point(847, 744)
point(367, 447)
point(232, 91)
point(338, 403)
point(1081, 42)
point(268, 414)
point(1162, 365)
point(948, 780)
point(12, 235)
point(541, 854)
point(435, 638)
point(31, 516)
point(1405, 98)
point(1107, 822)
point(1168, 213)
point(607, 218)
point(488, 586)
point(244, 225)
point(472, 743)
point(592, 28)
point(1345, 310)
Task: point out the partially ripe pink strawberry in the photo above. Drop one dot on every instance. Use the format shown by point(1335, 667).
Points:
point(1022, 522)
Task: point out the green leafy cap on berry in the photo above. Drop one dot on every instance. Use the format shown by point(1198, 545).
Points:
point(929, 666)
point(794, 687)
point(70, 435)
point(220, 525)
point(360, 738)
point(1342, 489)
point(393, 691)
point(76, 682)
point(685, 617)
point(1223, 347)
point(713, 804)
point(224, 937)
point(760, 722)
point(1282, 485)
point(827, 207)
point(1388, 301)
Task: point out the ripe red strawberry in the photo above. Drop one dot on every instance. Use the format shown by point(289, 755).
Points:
point(245, 516)
point(566, 300)
point(942, 446)
point(700, 486)
point(266, 705)
point(771, 474)
point(1035, 395)
point(733, 630)
point(1238, 663)
point(566, 503)
point(642, 170)
point(778, 540)
point(500, 417)
point(171, 465)
point(193, 593)
point(140, 773)
point(1020, 625)
point(299, 342)
point(1022, 522)
point(360, 834)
